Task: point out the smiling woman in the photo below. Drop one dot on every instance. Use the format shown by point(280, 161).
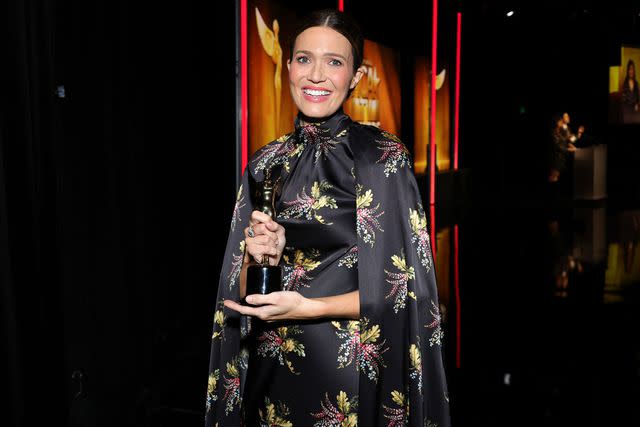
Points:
point(322, 74)
point(354, 337)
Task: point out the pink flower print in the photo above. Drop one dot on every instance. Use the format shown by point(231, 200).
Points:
point(268, 153)
point(324, 144)
point(236, 266)
point(212, 385)
point(415, 369)
point(279, 343)
point(274, 415)
point(296, 269)
point(350, 336)
point(394, 153)
point(277, 153)
point(350, 259)
point(344, 415)
point(323, 147)
point(370, 356)
point(397, 416)
point(399, 282)
point(437, 334)
point(232, 384)
point(361, 341)
point(236, 209)
point(310, 132)
point(305, 206)
point(298, 208)
point(367, 221)
point(420, 236)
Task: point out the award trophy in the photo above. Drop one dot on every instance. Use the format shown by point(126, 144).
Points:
point(263, 278)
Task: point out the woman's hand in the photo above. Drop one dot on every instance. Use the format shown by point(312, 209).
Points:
point(268, 238)
point(289, 305)
point(281, 305)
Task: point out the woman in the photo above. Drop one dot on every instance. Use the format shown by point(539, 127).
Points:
point(630, 91)
point(357, 325)
point(560, 146)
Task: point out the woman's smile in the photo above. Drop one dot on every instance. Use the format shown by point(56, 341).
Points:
point(321, 71)
point(316, 94)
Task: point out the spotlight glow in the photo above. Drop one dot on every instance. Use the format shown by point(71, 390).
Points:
point(510, 13)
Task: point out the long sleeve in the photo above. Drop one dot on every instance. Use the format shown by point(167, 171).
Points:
point(228, 360)
point(402, 372)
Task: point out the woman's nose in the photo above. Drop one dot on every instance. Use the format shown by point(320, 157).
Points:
point(316, 74)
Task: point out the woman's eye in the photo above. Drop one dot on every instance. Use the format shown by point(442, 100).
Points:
point(335, 62)
point(302, 59)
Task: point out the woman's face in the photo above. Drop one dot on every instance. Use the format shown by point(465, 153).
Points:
point(321, 71)
point(632, 71)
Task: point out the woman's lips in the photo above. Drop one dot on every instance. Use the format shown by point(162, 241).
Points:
point(313, 94)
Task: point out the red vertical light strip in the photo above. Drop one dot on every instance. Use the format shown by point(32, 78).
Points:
point(456, 284)
point(244, 122)
point(432, 121)
point(457, 95)
point(341, 5)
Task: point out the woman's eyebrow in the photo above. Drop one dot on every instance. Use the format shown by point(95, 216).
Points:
point(326, 54)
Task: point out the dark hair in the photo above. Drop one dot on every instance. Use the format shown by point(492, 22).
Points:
point(556, 117)
point(630, 64)
point(338, 21)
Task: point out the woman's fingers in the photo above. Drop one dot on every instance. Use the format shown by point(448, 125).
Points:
point(271, 307)
point(242, 309)
point(280, 238)
point(263, 312)
point(275, 232)
point(272, 226)
point(259, 299)
point(260, 217)
point(264, 239)
point(264, 236)
point(263, 223)
point(262, 230)
point(258, 251)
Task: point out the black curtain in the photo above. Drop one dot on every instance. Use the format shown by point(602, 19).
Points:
point(32, 344)
point(117, 180)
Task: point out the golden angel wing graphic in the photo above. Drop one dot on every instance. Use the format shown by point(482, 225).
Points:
point(266, 35)
point(440, 79)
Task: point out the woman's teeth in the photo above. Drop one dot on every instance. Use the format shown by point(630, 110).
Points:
point(313, 92)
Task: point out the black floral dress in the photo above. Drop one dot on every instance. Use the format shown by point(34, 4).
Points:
point(353, 220)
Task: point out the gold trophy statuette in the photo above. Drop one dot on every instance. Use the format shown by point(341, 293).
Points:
point(263, 278)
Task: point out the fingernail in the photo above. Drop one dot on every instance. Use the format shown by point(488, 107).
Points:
point(249, 299)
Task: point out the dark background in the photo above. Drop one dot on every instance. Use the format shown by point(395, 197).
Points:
point(115, 199)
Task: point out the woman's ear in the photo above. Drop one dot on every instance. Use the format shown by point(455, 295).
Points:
point(289, 65)
point(357, 76)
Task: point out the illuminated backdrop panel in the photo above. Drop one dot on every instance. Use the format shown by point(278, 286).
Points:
point(422, 75)
point(375, 101)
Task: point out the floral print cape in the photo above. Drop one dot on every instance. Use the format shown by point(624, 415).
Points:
point(354, 220)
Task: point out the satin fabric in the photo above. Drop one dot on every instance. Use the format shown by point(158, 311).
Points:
point(353, 219)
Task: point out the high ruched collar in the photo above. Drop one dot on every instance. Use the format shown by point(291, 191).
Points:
point(311, 132)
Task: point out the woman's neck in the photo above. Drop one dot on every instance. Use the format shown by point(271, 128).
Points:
point(305, 120)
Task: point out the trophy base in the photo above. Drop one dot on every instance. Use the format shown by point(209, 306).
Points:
point(263, 279)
